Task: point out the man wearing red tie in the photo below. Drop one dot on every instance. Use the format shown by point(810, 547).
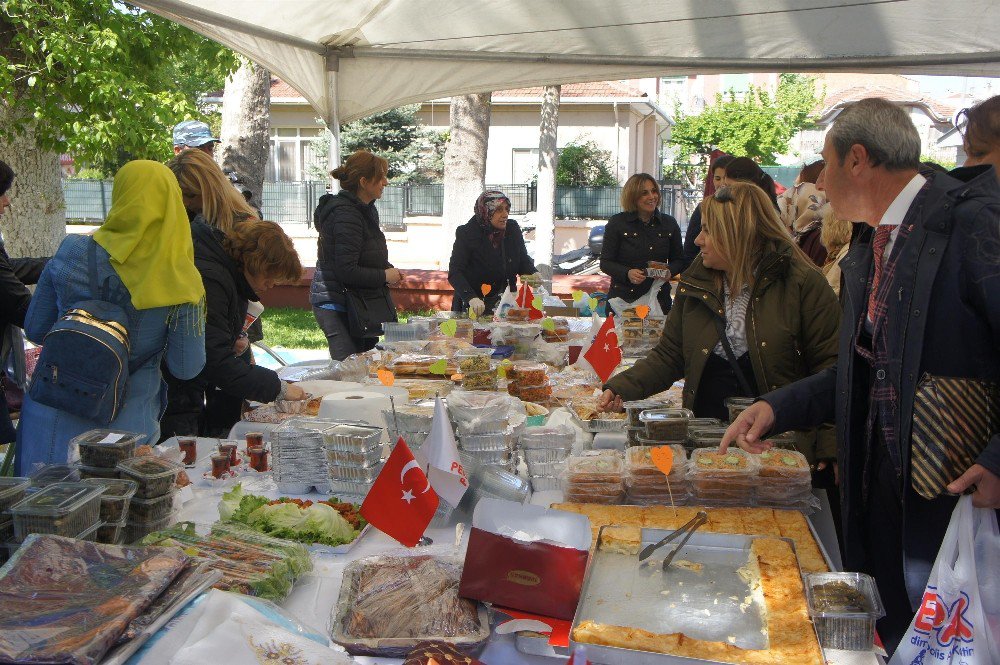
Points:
point(914, 392)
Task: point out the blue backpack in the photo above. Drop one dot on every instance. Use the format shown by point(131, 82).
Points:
point(83, 368)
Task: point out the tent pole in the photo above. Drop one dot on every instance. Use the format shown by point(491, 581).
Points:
point(332, 118)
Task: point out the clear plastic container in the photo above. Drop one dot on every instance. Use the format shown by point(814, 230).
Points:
point(599, 468)
point(487, 380)
point(106, 447)
point(545, 483)
point(487, 442)
point(666, 425)
point(701, 423)
point(706, 437)
point(409, 417)
point(117, 495)
point(405, 332)
point(353, 438)
point(54, 473)
point(639, 462)
point(63, 509)
point(6, 528)
point(737, 405)
point(90, 534)
point(635, 435)
point(150, 510)
point(135, 531)
point(636, 407)
point(355, 474)
point(784, 464)
point(12, 490)
point(472, 459)
point(99, 472)
point(528, 373)
point(732, 464)
point(111, 533)
point(474, 360)
point(546, 468)
point(844, 608)
point(153, 475)
point(503, 484)
point(559, 436)
point(363, 458)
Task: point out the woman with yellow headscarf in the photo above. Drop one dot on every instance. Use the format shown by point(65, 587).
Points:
point(145, 264)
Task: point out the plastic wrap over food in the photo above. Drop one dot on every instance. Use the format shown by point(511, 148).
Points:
point(389, 603)
point(472, 409)
point(67, 601)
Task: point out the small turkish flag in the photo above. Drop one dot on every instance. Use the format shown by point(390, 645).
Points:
point(401, 502)
point(604, 354)
point(524, 295)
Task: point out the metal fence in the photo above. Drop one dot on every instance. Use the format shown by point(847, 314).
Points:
point(88, 201)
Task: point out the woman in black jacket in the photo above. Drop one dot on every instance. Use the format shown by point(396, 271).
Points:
point(637, 236)
point(489, 250)
point(352, 251)
point(236, 268)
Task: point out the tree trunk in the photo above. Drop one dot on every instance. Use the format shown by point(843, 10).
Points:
point(246, 126)
point(465, 160)
point(35, 223)
point(548, 162)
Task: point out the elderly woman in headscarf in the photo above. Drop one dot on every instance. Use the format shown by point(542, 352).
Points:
point(145, 259)
point(488, 255)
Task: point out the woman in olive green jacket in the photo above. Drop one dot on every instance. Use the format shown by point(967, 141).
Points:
point(779, 314)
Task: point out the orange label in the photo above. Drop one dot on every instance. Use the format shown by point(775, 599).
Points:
point(663, 458)
point(386, 377)
point(486, 288)
point(642, 311)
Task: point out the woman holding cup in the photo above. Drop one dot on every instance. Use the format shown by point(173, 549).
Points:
point(236, 267)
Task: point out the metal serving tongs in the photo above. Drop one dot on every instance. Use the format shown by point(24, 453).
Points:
point(688, 530)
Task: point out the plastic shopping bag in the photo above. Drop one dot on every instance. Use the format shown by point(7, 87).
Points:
point(958, 620)
point(649, 299)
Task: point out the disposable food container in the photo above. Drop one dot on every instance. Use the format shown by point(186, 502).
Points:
point(538, 394)
point(666, 425)
point(111, 533)
point(844, 608)
point(410, 417)
point(503, 484)
point(733, 464)
point(150, 510)
point(484, 380)
point(342, 488)
point(545, 455)
point(472, 459)
point(99, 472)
point(54, 473)
point(545, 483)
point(471, 361)
point(12, 490)
point(778, 463)
point(63, 509)
point(355, 474)
point(487, 442)
point(106, 447)
point(528, 373)
point(558, 436)
point(135, 531)
point(595, 469)
point(405, 332)
point(363, 458)
point(635, 407)
point(413, 439)
point(634, 436)
point(154, 475)
point(639, 462)
point(116, 498)
point(546, 468)
point(90, 534)
point(737, 405)
point(353, 438)
point(705, 437)
point(6, 529)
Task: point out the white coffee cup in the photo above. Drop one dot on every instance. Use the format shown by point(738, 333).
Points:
point(254, 310)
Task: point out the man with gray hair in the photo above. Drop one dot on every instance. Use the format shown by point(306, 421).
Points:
point(914, 393)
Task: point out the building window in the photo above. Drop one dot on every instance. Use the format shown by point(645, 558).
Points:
point(292, 153)
point(524, 165)
point(673, 91)
point(738, 83)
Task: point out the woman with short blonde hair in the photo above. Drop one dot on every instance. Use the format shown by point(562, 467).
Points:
point(207, 191)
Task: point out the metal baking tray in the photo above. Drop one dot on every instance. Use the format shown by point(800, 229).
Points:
point(619, 591)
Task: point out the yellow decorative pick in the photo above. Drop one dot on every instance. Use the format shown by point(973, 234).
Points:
point(439, 366)
point(386, 377)
point(663, 458)
point(578, 296)
point(449, 327)
point(548, 323)
point(593, 304)
point(502, 368)
point(536, 302)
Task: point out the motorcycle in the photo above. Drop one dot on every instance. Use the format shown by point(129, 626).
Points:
point(583, 261)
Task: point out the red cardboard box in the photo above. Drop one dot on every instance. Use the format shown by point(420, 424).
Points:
point(526, 557)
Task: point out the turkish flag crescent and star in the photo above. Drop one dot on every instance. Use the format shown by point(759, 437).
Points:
point(604, 354)
point(401, 502)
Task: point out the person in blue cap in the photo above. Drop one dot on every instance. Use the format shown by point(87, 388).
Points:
point(193, 134)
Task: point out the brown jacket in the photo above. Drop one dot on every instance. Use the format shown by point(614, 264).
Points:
point(792, 327)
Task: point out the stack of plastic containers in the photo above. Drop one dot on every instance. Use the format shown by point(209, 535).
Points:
point(406, 332)
point(410, 421)
point(723, 479)
point(646, 484)
point(545, 451)
point(114, 507)
point(354, 456)
point(477, 412)
point(597, 476)
point(529, 382)
point(476, 370)
point(12, 491)
point(844, 608)
point(705, 437)
point(64, 509)
point(102, 449)
point(737, 405)
point(785, 480)
point(152, 505)
point(635, 427)
point(665, 426)
point(640, 335)
point(53, 473)
point(298, 459)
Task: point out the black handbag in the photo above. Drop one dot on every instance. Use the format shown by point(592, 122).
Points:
point(368, 309)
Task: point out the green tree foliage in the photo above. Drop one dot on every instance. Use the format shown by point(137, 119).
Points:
point(585, 163)
point(758, 124)
point(100, 79)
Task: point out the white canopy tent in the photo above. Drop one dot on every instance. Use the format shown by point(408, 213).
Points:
point(356, 57)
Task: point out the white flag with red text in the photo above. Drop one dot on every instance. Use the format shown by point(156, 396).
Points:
point(440, 451)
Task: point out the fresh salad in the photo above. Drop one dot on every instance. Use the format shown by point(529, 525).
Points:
point(328, 522)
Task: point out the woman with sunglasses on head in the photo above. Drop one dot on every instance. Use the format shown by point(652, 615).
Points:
point(637, 236)
point(752, 314)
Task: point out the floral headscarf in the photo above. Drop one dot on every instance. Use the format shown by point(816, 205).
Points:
point(486, 205)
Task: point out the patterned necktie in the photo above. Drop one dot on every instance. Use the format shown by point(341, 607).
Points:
point(879, 242)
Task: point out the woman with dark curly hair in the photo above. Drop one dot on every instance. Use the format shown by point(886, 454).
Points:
point(236, 267)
